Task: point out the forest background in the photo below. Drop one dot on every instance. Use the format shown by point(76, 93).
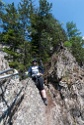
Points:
point(28, 32)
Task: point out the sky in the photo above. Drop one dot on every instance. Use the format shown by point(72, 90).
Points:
point(65, 11)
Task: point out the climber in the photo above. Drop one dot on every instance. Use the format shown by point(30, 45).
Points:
point(36, 73)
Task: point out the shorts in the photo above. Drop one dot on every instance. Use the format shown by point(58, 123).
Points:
point(39, 81)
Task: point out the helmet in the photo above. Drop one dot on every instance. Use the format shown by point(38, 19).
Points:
point(34, 60)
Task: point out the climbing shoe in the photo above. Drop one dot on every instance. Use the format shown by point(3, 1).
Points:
point(45, 101)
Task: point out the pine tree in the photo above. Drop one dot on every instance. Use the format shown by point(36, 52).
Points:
point(10, 18)
point(72, 30)
point(47, 32)
point(11, 35)
point(74, 37)
point(2, 5)
point(24, 9)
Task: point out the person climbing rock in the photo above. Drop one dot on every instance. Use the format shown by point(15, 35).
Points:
point(36, 73)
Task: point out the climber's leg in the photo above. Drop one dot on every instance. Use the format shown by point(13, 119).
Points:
point(42, 90)
point(43, 93)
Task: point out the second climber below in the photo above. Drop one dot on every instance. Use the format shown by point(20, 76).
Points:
point(36, 73)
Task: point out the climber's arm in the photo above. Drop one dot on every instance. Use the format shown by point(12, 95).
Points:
point(29, 72)
point(41, 69)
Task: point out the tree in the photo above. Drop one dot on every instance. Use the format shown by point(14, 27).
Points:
point(12, 44)
point(24, 8)
point(78, 50)
point(11, 35)
point(10, 18)
point(72, 30)
point(2, 7)
point(76, 42)
point(46, 31)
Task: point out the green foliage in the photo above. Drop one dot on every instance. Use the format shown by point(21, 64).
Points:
point(10, 18)
point(72, 30)
point(76, 42)
point(10, 39)
point(68, 44)
point(44, 7)
point(24, 10)
point(2, 5)
point(15, 22)
point(13, 64)
point(46, 32)
point(78, 50)
point(1, 38)
point(30, 32)
point(17, 65)
point(11, 54)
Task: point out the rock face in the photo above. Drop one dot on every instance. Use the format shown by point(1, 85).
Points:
point(63, 64)
point(68, 80)
point(21, 103)
point(32, 109)
point(3, 63)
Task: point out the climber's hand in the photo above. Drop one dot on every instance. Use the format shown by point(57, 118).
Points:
point(40, 74)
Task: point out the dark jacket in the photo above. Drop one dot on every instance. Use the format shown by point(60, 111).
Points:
point(39, 68)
